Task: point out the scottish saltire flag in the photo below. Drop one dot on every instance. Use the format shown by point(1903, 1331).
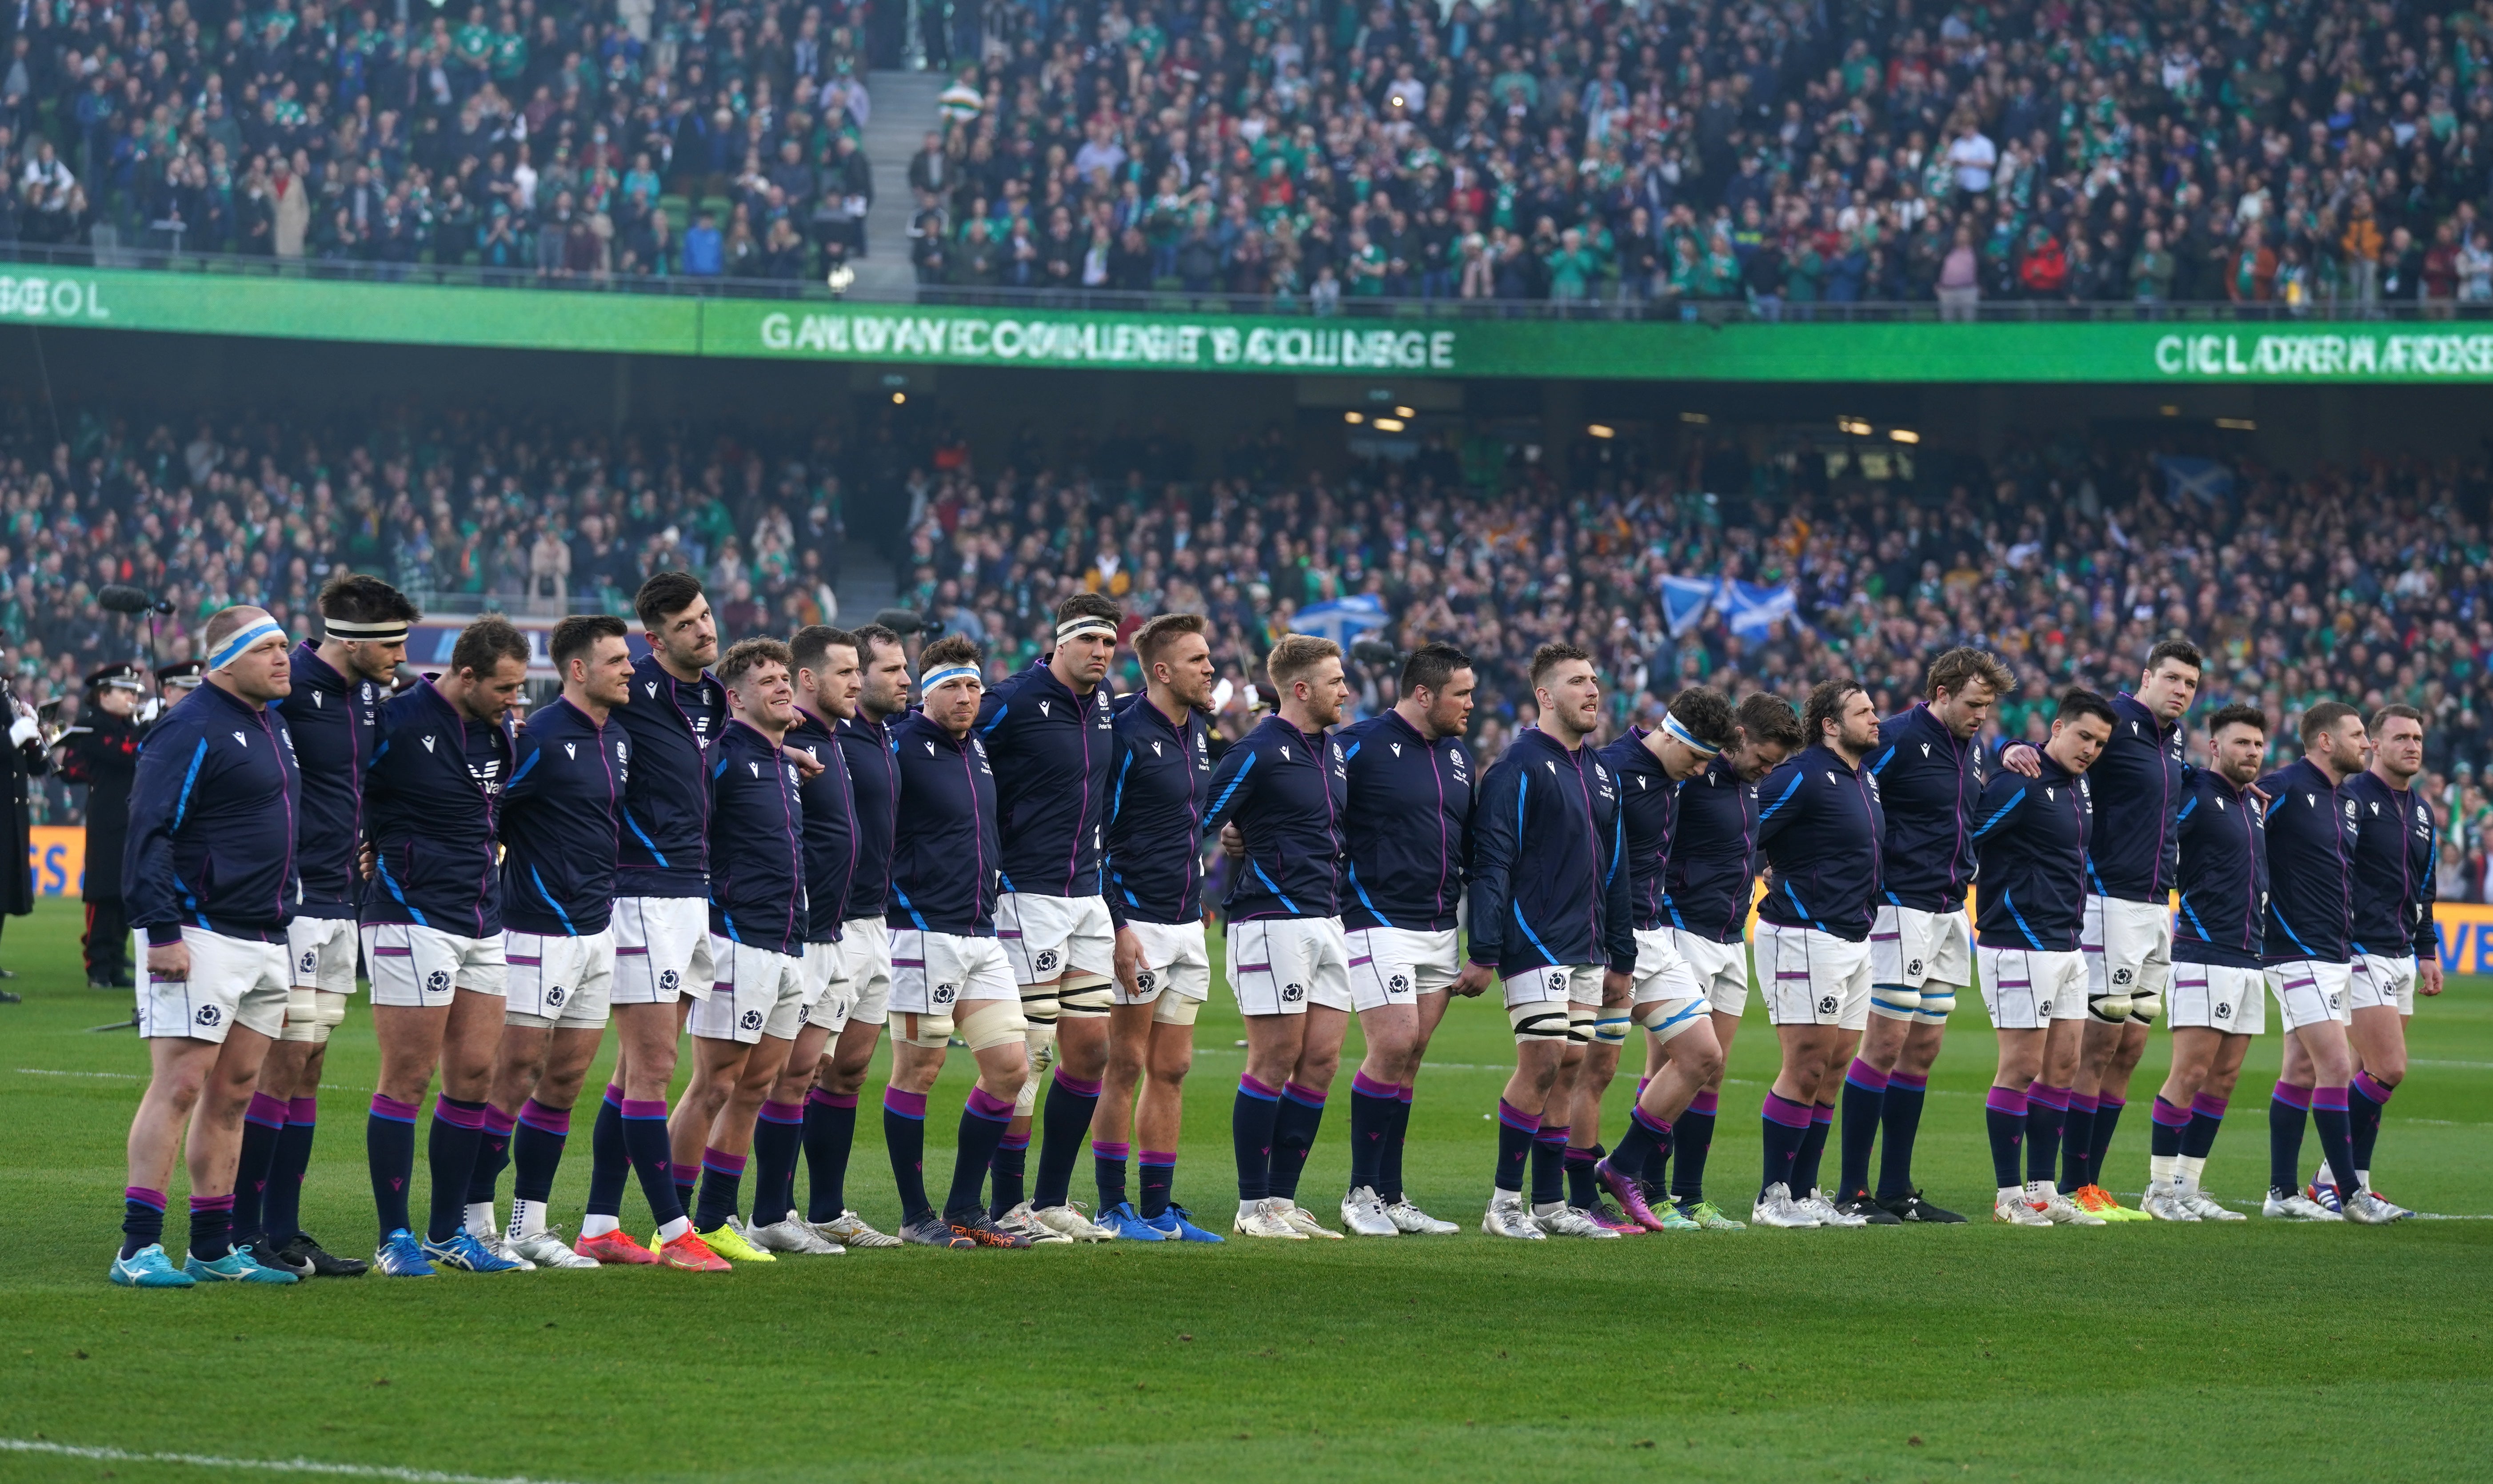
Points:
point(1751, 610)
point(1686, 599)
point(2204, 481)
point(1341, 620)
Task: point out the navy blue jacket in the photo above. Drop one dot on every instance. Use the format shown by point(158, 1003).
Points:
point(874, 783)
point(1155, 862)
point(1287, 792)
point(2137, 853)
point(1054, 756)
point(830, 827)
point(944, 855)
point(2032, 842)
point(1930, 781)
point(1652, 803)
point(213, 822)
point(2394, 889)
point(1823, 830)
point(1550, 870)
point(560, 813)
point(334, 720)
point(432, 818)
point(757, 843)
point(666, 808)
point(1404, 828)
point(2224, 873)
point(2310, 865)
point(1711, 875)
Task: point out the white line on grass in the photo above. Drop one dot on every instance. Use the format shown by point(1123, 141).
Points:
point(119, 1077)
point(264, 1465)
point(2472, 1066)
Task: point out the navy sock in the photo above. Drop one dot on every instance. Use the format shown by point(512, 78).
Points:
point(2165, 1131)
point(2099, 1150)
point(1900, 1123)
point(2336, 1138)
point(389, 1148)
point(904, 1134)
point(983, 1122)
point(1583, 1187)
point(1550, 1162)
point(1514, 1131)
point(492, 1156)
point(1159, 1169)
point(776, 1134)
point(1294, 1136)
point(1374, 1107)
point(536, 1150)
point(1786, 1125)
point(2078, 1142)
point(610, 1161)
point(2005, 1114)
point(450, 1148)
point(1813, 1149)
point(722, 1177)
point(264, 1124)
point(2207, 1119)
point(2365, 1102)
point(2288, 1110)
point(211, 1227)
point(684, 1178)
point(1065, 1125)
point(830, 1133)
point(142, 1220)
point(1389, 1162)
point(1108, 1162)
point(1692, 1141)
point(1646, 1141)
point(1252, 1118)
point(2045, 1109)
point(1010, 1166)
point(652, 1155)
point(1864, 1100)
point(281, 1208)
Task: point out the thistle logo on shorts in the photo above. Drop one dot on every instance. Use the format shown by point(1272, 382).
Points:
point(436, 982)
point(209, 1015)
point(1048, 960)
point(945, 994)
point(1558, 979)
point(1914, 969)
point(1145, 980)
point(2224, 1011)
point(750, 1019)
point(667, 981)
point(1826, 1006)
point(2120, 976)
point(310, 959)
point(554, 996)
point(1292, 994)
point(1399, 983)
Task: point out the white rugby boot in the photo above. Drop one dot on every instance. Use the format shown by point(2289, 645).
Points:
point(1260, 1218)
point(1508, 1216)
point(1364, 1215)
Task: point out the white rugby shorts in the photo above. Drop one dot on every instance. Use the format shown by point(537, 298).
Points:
point(1279, 965)
point(1044, 939)
point(233, 981)
point(1578, 984)
point(1812, 978)
point(758, 992)
point(856, 974)
point(661, 950)
point(565, 981)
point(1661, 973)
point(1396, 965)
point(2128, 945)
point(1722, 970)
point(421, 968)
point(1175, 961)
point(2309, 991)
point(2025, 989)
point(2217, 996)
point(322, 951)
point(2380, 980)
point(937, 973)
point(1912, 948)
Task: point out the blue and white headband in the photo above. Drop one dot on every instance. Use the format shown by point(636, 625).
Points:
point(1688, 739)
point(234, 645)
point(926, 683)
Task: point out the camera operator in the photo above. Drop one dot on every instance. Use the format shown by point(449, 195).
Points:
point(101, 751)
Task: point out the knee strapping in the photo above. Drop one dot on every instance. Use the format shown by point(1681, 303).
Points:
point(1938, 1000)
point(1895, 1002)
point(1539, 1020)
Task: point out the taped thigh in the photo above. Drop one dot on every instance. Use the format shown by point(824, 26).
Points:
point(1086, 996)
point(1895, 1002)
point(1175, 1009)
point(1668, 1019)
point(927, 1032)
point(1937, 1004)
point(1538, 1020)
point(302, 1016)
point(1581, 1020)
point(987, 1029)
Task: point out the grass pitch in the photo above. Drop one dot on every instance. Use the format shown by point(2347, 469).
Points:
point(2251, 1352)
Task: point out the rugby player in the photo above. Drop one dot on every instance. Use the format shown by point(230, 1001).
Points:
point(1284, 784)
point(661, 917)
point(2218, 1001)
point(1707, 887)
point(1666, 998)
point(2132, 861)
point(1931, 774)
point(948, 972)
point(432, 927)
point(217, 781)
point(560, 813)
point(1404, 832)
point(829, 678)
point(742, 1031)
point(1155, 878)
point(1048, 733)
point(333, 713)
point(855, 1013)
point(2309, 953)
point(2032, 847)
point(2397, 946)
point(1552, 923)
point(1821, 829)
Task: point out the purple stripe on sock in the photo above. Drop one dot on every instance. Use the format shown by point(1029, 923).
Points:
point(986, 1105)
point(2169, 1116)
point(212, 1203)
point(2107, 1100)
point(448, 1111)
point(2082, 1102)
point(393, 1109)
point(1867, 1077)
point(2373, 1087)
point(1784, 1111)
point(1013, 1142)
point(2207, 1106)
point(145, 1197)
point(1255, 1089)
point(783, 1113)
point(1906, 1080)
point(1649, 1123)
point(2293, 1096)
point(303, 1112)
point(831, 1099)
point(266, 1111)
point(1821, 1113)
point(1704, 1103)
point(1100, 1151)
point(1642, 1082)
point(1302, 1095)
point(1552, 1134)
point(645, 1108)
point(497, 1121)
point(908, 1105)
point(1512, 1117)
point(2043, 1095)
point(1368, 1086)
point(2007, 1100)
point(1076, 1085)
point(544, 1120)
point(1160, 1157)
point(1404, 1093)
point(1575, 1156)
point(722, 1162)
point(614, 1096)
point(2331, 1098)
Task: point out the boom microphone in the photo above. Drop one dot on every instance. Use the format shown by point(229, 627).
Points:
point(115, 598)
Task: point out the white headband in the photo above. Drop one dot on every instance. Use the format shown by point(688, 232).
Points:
point(926, 683)
point(235, 646)
point(375, 633)
point(1688, 739)
point(1084, 623)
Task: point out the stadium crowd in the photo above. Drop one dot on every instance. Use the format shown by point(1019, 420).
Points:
point(2296, 153)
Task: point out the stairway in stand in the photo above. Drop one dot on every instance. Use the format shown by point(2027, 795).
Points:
point(904, 110)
